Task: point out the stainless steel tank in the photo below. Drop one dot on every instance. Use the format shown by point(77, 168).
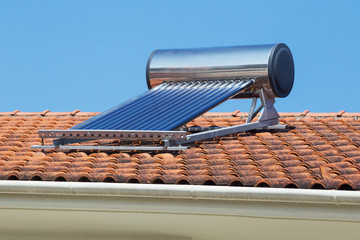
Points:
point(271, 66)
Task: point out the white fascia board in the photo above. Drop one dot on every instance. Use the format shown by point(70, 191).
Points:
point(192, 192)
point(98, 192)
point(174, 211)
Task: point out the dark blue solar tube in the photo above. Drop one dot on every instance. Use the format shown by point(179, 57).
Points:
point(123, 115)
point(96, 121)
point(125, 109)
point(209, 98)
point(167, 106)
point(171, 107)
point(150, 107)
point(118, 113)
point(183, 105)
point(152, 104)
point(212, 100)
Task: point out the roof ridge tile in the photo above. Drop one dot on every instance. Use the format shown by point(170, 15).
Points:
point(13, 113)
point(73, 113)
point(43, 113)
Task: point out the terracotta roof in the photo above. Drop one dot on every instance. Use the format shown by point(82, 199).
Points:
point(322, 151)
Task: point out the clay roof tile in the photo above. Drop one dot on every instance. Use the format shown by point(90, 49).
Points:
point(323, 151)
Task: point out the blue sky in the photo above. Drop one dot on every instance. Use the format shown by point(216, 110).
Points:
point(91, 55)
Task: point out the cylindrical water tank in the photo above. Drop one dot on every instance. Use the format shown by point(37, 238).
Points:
point(271, 66)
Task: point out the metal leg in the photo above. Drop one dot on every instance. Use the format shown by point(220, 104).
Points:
point(252, 109)
point(257, 111)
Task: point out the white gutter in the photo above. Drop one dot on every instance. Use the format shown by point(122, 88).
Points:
point(183, 199)
point(175, 211)
point(192, 192)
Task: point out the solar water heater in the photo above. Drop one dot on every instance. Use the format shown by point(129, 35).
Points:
point(183, 84)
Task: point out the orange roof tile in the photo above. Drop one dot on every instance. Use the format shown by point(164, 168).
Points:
point(322, 151)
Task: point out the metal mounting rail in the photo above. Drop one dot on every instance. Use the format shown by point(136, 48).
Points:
point(64, 137)
point(108, 148)
point(113, 134)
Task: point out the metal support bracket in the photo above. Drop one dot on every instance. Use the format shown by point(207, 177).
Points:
point(269, 111)
point(227, 131)
point(268, 117)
